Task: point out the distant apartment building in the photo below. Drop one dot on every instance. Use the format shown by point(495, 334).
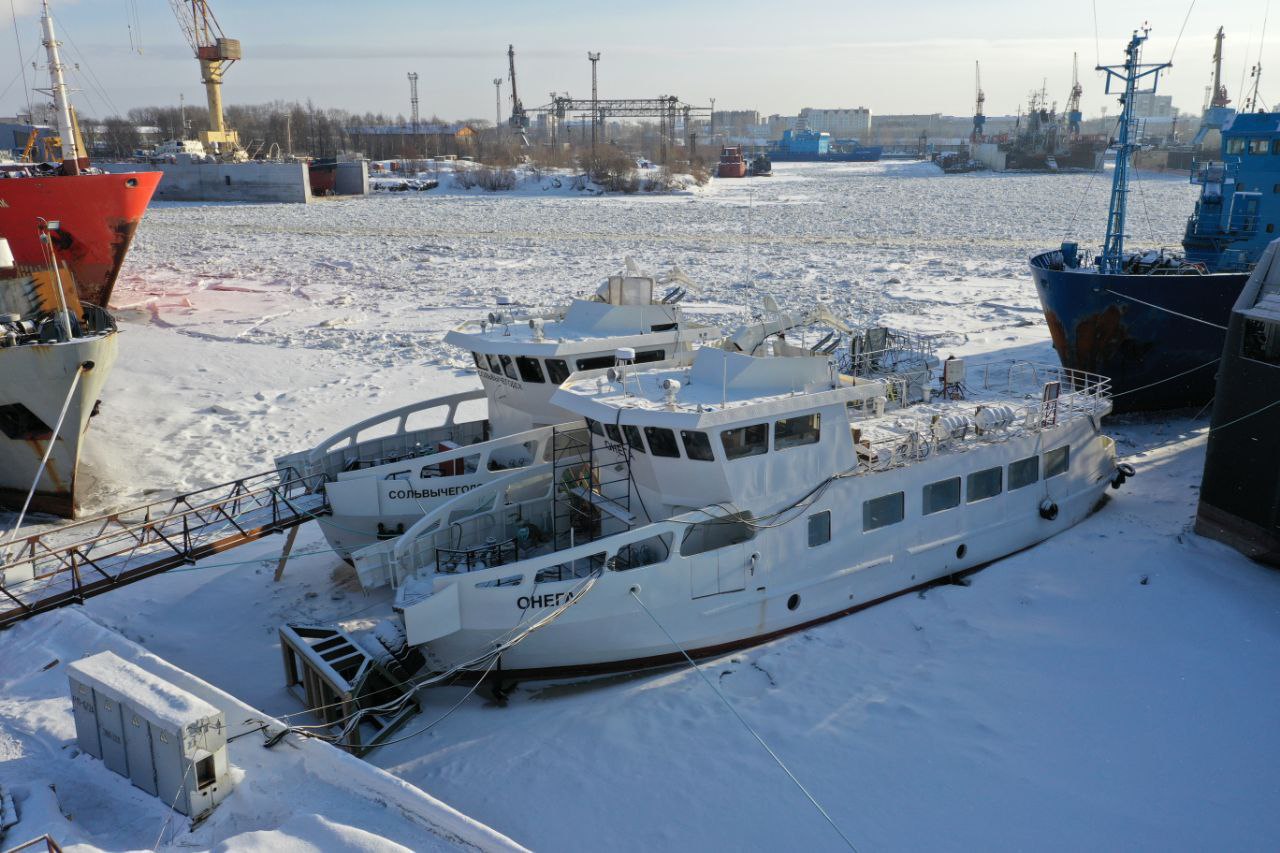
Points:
point(845, 123)
point(734, 121)
point(1148, 105)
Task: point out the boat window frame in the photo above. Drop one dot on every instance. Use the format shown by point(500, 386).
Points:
point(701, 442)
point(801, 439)
point(557, 370)
point(1259, 145)
point(533, 373)
point(971, 478)
point(659, 450)
point(927, 490)
point(824, 531)
point(750, 447)
point(596, 362)
point(870, 520)
point(738, 524)
point(631, 433)
point(1032, 466)
point(649, 355)
point(482, 362)
point(1065, 452)
point(613, 433)
point(1234, 145)
point(509, 368)
point(495, 366)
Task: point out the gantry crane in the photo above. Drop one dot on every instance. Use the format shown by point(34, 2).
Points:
point(1073, 114)
point(980, 98)
point(215, 53)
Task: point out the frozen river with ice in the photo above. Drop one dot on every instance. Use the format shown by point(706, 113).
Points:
point(1114, 687)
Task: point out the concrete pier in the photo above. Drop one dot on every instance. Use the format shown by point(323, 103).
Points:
point(252, 182)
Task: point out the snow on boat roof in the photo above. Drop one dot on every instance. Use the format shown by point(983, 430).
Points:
point(719, 386)
point(152, 697)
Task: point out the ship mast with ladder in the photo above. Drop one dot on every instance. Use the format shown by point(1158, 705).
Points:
point(67, 133)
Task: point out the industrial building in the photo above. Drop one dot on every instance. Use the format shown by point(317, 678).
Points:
point(843, 123)
point(428, 139)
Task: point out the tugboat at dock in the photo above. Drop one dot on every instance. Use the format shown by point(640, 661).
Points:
point(732, 164)
point(1154, 320)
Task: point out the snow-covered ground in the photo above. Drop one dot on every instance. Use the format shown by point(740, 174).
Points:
point(1114, 687)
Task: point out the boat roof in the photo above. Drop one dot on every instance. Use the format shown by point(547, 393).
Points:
point(717, 388)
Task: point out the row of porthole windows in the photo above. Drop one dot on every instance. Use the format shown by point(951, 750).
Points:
point(737, 443)
point(945, 494)
point(529, 369)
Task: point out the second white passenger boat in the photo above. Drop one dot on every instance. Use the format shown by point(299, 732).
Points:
point(719, 504)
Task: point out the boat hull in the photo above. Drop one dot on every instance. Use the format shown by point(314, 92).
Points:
point(1156, 359)
point(861, 155)
point(98, 216)
point(37, 378)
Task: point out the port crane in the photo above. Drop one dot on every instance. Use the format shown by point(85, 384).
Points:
point(980, 98)
point(519, 118)
point(215, 53)
point(1073, 114)
point(1218, 94)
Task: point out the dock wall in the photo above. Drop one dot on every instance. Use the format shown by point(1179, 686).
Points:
point(990, 155)
point(352, 178)
point(253, 182)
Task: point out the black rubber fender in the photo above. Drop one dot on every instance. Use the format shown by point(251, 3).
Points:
point(1123, 472)
point(1048, 509)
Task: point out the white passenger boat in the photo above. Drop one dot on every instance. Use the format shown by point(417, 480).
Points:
point(738, 498)
point(383, 474)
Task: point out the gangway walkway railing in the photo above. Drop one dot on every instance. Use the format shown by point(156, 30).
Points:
point(70, 563)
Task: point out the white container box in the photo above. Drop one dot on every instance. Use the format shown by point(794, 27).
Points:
point(168, 742)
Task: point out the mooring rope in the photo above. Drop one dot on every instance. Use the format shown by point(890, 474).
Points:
point(746, 725)
point(1162, 308)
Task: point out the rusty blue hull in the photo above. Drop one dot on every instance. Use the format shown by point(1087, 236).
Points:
point(1155, 358)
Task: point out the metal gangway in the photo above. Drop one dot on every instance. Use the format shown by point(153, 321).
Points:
point(70, 563)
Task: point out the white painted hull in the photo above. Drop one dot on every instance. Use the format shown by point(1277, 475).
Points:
point(607, 629)
point(38, 378)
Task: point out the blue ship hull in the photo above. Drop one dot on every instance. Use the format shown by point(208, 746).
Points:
point(860, 155)
point(1155, 359)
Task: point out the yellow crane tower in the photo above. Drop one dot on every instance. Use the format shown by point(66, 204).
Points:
point(215, 53)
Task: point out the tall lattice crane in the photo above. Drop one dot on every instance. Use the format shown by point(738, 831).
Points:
point(980, 98)
point(1218, 94)
point(1073, 114)
point(215, 52)
point(519, 118)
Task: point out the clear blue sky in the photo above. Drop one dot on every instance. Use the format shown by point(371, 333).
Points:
point(775, 57)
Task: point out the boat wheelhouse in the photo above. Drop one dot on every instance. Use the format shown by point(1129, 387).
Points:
point(384, 473)
point(737, 498)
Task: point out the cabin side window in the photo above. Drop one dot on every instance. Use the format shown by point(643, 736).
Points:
point(645, 356)
point(632, 434)
point(596, 362)
point(509, 367)
point(595, 427)
point(646, 552)
point(1235, 146)
point(1057, 461)
point(745, 441)
point(662, 442)
point(939, 496)
point(530, 369)
point(981, 485)
point(819, 528)
point(481, 362)
point(495, 366)
point(557, 370)
point(795, 432)
point(1023, 472)
point(1258, 146)
point(614, 434)
point(883, 511)
point(1260, 341)
point(697, 445)
point(717, 533)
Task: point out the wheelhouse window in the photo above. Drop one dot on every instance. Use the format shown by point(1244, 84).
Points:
point(717, 533)
point(984, 484)
point(530, 369)
point(495, 366)
point(632, 434)
point(1057, 461)
point(596, 362)
point(883, 511)
point(481, 361)
point(646, 552)
point(819, 528)
point(1260, 340)
point(662, 442)
point(509, 367)
point(1023, 472)
point(645, 356)
point(557, 370)
point(614, 434)
point(697, 445)
point(794, 432)
point(1259, 146)
point(1235, 146)
point(939, 496)
point(745, 441)
point(596, 427)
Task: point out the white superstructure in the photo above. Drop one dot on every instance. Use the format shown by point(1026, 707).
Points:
point(739, 497)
